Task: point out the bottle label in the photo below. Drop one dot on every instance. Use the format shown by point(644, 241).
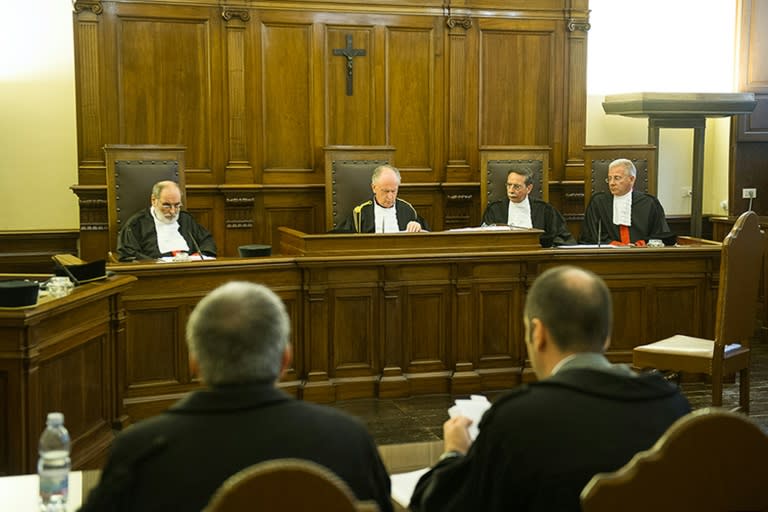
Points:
point(54, 482)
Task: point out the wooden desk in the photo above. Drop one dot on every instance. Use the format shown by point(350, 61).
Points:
point(59, 356)
point(398, 324)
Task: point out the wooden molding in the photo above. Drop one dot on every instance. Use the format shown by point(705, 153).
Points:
point(88, 5)
point(229, 13)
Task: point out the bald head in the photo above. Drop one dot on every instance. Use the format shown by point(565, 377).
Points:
point(385, 183)
point(575, 306)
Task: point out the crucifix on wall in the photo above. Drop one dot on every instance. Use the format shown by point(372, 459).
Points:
point(349, 53)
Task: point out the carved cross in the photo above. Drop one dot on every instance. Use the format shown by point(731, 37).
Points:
point(349, 53)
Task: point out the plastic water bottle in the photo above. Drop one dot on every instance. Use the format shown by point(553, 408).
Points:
point(53, 464)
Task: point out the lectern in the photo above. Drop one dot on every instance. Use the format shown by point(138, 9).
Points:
point(682, 110)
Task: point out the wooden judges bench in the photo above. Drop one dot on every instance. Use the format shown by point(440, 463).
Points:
point(404, 314)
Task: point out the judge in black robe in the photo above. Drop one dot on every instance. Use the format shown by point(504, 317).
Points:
point(362, 218)
point(544, 216)
point(137, 240)
point(648, 220)
point(385, 183)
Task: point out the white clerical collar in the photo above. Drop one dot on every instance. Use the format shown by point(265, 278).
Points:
point(622, 209)
point(519, 214)
point(169, 239)
point(385, 219)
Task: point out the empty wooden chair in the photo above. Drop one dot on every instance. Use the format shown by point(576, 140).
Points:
point(286, 485)
point(710, 459)
point(728, 353)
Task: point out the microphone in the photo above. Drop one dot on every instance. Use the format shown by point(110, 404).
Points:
point(197, 247)
point(599, 232)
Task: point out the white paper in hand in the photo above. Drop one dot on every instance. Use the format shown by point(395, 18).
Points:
point(473, 408)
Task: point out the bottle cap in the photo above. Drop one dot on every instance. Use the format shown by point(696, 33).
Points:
point(55, 418)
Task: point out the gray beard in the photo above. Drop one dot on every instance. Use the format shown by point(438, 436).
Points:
point(162, 218)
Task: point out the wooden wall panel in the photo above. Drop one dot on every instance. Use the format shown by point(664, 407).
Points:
point(164, 68)
point(302, 210)
point(152, 359)
point(352, 118)
point(628, 302)
point(427, 336)
point(353, 318)
point(687, 295)
point(254, 91)
point(287, 102)
point(240, 105)
point(31, 251)
point(517, 81)
point(461, 85)
point(500, 332)
point(410, 100)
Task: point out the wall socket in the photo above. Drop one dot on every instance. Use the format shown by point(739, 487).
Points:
point(749, 193)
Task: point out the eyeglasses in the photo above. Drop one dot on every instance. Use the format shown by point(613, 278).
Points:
point(614, 178)
point(169, 206)
point(515, 186)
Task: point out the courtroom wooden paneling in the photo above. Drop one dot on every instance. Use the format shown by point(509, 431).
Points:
point(60, 356)
point(404, 316)
point(254, 91)
point(30, 252)
point(153, 358)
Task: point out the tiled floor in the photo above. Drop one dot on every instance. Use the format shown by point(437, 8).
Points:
point(405, 420)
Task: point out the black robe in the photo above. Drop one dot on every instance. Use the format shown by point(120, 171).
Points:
point(137, 240)
point(176, 460)
point(543, 216)
point(362, 218)
point(648, 220)
point(542, 442)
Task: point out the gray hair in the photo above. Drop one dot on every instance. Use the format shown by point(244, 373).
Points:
point(238, 333)
point(575, 305)
point(626, 164)
point(158, 187)
point(380, 169)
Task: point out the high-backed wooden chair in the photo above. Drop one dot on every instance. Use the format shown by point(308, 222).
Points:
point(497, 161)
point(286, 485)
point(710, 459)
point(348, 172)
point(740, 262)
point(597, 159)
point(131, 172)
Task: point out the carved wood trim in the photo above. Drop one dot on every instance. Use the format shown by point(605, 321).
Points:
point(578, 25)
point(464, 22)
point(239, 209)
point(87, 5)
point(228, 13)
point(238, 115)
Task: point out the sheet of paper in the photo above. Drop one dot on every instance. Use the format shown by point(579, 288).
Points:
point(403, 485)
point(473, 408)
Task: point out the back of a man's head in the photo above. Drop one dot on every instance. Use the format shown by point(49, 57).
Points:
point(238, 333)
point(575, 306)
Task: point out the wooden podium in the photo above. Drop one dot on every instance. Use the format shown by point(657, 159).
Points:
point(60, 356)
point(682, 110)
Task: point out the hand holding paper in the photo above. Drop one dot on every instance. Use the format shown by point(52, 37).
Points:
point(472, 408)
